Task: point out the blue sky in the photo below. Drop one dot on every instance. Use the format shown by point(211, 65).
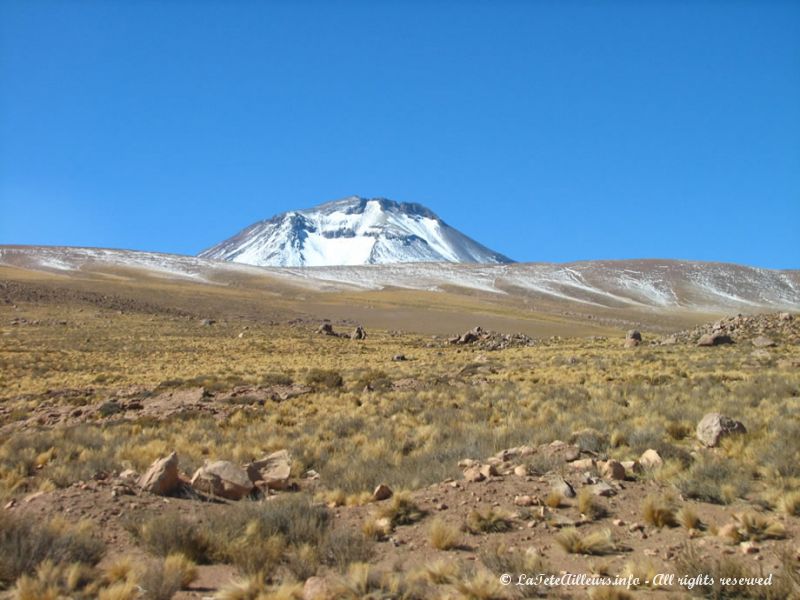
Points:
point(549, 131)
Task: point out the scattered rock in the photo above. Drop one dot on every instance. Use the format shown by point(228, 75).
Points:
point(468, 337)
point(521, 471)
point(612, 469)
point(524, 501)
point(562, 486)
point(583, 464)
point(382, 492)
point(128, 474)
point(513, 453)
point(778, 327)
point(601, 488)
point(492, 340)
point(560, 451)
point(633, 466)
point(317, 588)
point(489, 471)
point(274, 469)
point(224, 479)
point(162, 476)
point(650, 459)
point(763, 341)
point(359, 333)
point(327, 329)
point(399, 357)
point(750, 547)
point(474, 474)
point(715, 426)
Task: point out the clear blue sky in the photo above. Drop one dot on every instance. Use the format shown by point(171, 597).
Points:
point(549, 131)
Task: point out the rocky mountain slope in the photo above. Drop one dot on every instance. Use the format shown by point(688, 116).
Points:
point(657, 286)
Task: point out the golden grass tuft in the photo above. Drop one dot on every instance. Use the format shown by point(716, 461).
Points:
point(609, 593)
point(757, 527)
point(488, 521)
point(443, 536)
point(121, 569)
point(686, 517)
point(401, 510)
point(789, 504)
point(658, 512)
point(555, 499)
point(597, 542)
point(480, 586)
point(589, 506)
point(375, 528)
point(441, 572)
point(249, 588)
point(184, 569)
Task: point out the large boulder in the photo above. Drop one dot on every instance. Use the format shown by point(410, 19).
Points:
point(473, 473)
point(162, 476)
point(326, 329)
point(359, 333)
point(274, 470)
point(224, 479)
point(633, 338)
point(714, 426)
point(468, 337)
point(714, 339)
point(382, 492)
point(633, 334)
point(612, 469)
point(651, 459)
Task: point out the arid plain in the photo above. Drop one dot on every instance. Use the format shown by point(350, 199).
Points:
point(163, 437)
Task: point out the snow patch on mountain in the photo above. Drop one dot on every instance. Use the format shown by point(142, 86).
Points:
point(661, 285)
point(352, 231)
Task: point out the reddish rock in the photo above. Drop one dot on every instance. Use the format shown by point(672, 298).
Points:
point(162, 476)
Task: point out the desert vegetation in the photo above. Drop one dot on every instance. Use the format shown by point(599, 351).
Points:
point(89, 393)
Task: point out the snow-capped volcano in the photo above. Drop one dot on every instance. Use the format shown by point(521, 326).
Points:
point(352, 231)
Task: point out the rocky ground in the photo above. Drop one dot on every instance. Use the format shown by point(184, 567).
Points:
point(525, 510)
point(433, 466)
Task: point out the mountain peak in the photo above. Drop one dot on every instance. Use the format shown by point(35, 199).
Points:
point(352, 231)
point(358, 204)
